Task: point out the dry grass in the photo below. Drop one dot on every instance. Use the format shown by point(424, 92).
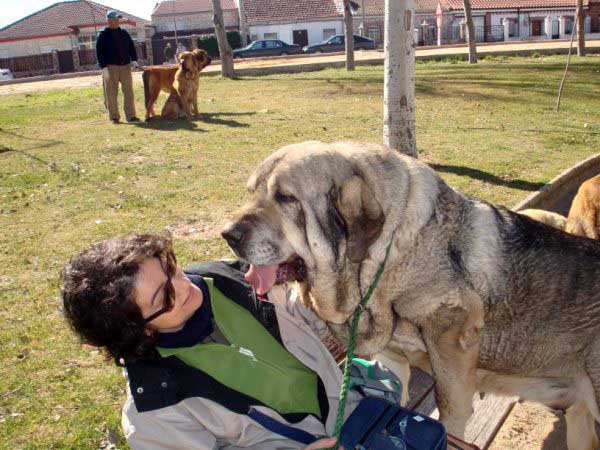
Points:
point(69, 178)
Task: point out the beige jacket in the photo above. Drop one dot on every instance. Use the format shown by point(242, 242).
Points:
point(198, 423)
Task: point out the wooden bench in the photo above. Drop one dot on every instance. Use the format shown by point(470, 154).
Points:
point(490, 411)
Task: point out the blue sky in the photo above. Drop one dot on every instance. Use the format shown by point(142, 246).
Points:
point(13, 10)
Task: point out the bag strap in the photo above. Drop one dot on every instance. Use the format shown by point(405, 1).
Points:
point(282, 429)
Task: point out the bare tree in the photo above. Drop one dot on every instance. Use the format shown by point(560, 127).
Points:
point(399, 77)
point(243, 27)
point(349, 35)
point(580, 14)
point(564, 77)
point(224, 48)
point(470, 32)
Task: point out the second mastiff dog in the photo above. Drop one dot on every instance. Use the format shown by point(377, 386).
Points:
point(496, 302)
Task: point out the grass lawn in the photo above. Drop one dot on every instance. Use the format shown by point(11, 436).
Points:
point(69, 178)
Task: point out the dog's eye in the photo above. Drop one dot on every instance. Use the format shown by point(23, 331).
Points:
point(282, 198)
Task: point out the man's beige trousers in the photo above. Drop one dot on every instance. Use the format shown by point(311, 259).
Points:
point(113, 75)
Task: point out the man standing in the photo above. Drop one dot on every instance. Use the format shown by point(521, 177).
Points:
point(169, 54)
point(116, 54)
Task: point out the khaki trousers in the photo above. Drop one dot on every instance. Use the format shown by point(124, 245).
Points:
point(111, 76)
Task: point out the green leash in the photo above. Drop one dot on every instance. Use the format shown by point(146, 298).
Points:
point(350, 352)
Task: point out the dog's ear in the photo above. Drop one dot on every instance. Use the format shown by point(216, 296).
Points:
point(362, 214)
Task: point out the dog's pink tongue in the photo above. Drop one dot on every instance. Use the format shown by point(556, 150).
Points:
point(262, 278)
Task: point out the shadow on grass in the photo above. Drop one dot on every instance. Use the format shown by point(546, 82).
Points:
point(523, 185)
point(213, 118)
point(4, 149)
point(168, 125)
point(43, 143)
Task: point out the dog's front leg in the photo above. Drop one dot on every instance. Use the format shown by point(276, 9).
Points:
point(452, 340)
point(185, 102)
point(195, 102)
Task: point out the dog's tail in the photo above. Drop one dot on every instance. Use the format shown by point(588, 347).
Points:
point(145, 79)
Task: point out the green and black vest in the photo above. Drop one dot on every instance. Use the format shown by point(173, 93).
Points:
point(255, 370)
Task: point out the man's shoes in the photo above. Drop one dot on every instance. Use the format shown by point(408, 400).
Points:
point(115, 121)
point(133, 119)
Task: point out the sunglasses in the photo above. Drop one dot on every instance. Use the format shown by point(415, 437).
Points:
point(170, 267)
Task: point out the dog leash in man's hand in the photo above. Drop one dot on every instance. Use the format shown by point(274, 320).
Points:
point(351, 341)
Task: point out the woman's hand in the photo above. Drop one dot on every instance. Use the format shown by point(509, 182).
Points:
point(323, 443)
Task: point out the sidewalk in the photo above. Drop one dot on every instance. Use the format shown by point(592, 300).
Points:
point(302, 63)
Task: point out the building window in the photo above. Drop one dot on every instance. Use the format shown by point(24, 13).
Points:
point(270, 36)
point(568, 25)
point(328, 32)
point(86, 41)
point(47, 48)
point(374, 33)
point(594, 25)
point(133, 32)
point(3, 54)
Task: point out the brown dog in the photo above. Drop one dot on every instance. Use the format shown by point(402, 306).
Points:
point(583, 215)
point(162, 78)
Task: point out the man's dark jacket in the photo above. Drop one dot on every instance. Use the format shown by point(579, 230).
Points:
point(114, 47)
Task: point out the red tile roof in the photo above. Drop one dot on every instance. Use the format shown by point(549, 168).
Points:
point(377, 7)
point(278, 11)
point(510, 4)
point(189, 6)
point(55, 19)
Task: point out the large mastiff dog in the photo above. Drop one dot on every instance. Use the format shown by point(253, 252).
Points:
point(499, 302)
point(168, 79)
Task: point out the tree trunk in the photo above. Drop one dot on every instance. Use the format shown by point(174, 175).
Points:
point(224, 48)
point(470, 32)
point(399, 77)
point(348, 35)
point(580, 29)
point(243, 27)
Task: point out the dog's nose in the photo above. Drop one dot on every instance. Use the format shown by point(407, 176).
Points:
point(233, 233)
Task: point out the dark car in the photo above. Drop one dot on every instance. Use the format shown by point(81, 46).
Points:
point(267, 47)
point(338, 44)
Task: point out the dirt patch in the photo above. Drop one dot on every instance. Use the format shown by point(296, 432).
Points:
point(531, 426)
point(200, 229)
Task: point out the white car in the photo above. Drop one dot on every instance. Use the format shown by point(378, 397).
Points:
point(5, 74)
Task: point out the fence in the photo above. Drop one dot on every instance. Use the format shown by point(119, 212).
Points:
point(457, 35)
point(28, 66)
point(87, 56)
point(207, 42)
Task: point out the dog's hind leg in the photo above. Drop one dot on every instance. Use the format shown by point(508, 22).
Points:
point(152, 95)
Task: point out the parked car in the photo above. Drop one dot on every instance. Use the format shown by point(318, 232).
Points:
point(338, 44)
point(5, 74)
point(267, 47)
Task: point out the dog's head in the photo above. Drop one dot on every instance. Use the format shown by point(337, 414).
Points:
point(187, 61)
point(314, 213)
point(202, 59)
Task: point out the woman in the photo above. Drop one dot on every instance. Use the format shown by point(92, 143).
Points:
point(201, 353)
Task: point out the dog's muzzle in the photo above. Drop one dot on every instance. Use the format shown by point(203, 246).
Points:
point(234, 234)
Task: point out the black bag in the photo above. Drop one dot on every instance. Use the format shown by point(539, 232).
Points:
point(377, 424)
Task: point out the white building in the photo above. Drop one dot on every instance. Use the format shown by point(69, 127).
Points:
point(192, 16)
point(304, 22)
point(61, 27)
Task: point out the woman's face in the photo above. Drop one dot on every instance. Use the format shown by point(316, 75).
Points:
point(149, 292)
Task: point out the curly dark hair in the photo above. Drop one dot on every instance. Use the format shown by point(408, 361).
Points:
point(98, 294)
